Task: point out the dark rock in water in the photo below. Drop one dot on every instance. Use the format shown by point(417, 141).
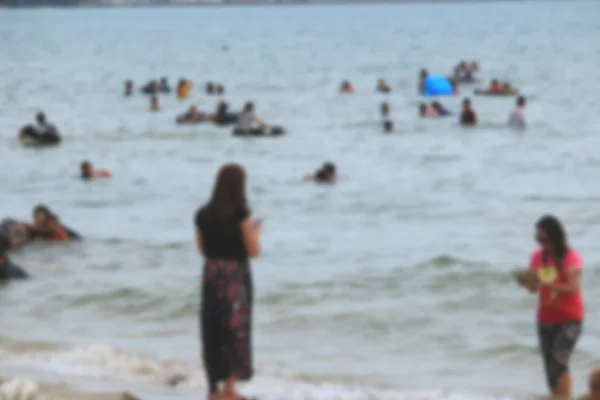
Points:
point(176, 379)
point(129, 396)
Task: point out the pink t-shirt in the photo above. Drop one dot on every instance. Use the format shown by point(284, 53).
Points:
point(554, 308)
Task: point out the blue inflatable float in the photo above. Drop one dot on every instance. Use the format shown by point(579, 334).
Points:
point(438, 85)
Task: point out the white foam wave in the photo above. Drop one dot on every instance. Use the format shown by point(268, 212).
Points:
point(101, 361)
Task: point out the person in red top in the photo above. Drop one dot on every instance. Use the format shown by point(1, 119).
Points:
point(555, 275)
point(47, 225)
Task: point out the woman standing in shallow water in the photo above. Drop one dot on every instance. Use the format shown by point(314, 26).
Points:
point(227, 238)
point(555, 274)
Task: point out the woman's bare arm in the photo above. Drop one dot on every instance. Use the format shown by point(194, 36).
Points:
point(250, 235)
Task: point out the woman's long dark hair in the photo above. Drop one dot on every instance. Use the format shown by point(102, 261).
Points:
point(556, 237)
point(229, 194)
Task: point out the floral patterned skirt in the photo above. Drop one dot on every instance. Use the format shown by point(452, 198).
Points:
point(225, 320)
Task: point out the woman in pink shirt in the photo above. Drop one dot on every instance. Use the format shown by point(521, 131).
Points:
point(555, 274)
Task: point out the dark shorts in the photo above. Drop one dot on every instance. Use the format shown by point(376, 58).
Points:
point(557, 343)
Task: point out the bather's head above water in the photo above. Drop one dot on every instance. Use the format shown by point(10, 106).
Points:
point(210, 88)
point(222, 108)
point(219, 89)
point(40, 118)
point(41, 216)
point(422, 109)
point(384, 109)
point(86, 170)
point(388, 126)
point(128, 88)
point(249, 107)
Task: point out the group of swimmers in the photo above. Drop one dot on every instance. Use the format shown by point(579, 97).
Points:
point(381, 87)
point(46, 226)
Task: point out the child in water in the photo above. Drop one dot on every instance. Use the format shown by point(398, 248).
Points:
point(88, 172)
point(326, 174)
point(154, 105)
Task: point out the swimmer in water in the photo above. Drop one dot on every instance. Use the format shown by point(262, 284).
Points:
point(517, 118)
point(128, 88)
point(210, 88)
point(473, 67)
point(346, 87)
point(383, 87)
point(468, 117)
point(154, 105)
point(593, 386)
point(326, 174)
point(427, 112)
point(507, 89)
point(249, 121)
point(495, 87)
point(191, 115)
point(439, 109)
point(388, 126)
point(184, 87)
point(384, 109)
point(8, 270)
point(422, 77)
point(164, 86)
point(219, 90)
point(47, 226)
point(150, 88)
point(87, 171)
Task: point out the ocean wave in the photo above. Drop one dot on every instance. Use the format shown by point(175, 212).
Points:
point(275, 383)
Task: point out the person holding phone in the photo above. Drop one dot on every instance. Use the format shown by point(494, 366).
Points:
point(227, 237)
point(555, 275)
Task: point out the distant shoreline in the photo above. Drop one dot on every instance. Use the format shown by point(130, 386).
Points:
point(18, 4)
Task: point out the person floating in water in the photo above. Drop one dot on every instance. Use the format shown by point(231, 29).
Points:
point(440, 109)
point(384, 109)
point(191, 116)
point(43, 127)
point(154, 104)
point(150, 88)
point(184, 87)
point(434, 110)
point(427, 112)
point(210, 88)
point(388, 126)
point(16, 232)
point(499, 88)
point(219, 90)
point(517, 118)
point(88, 172)
point(326, 174)
point(346, 87)
point(383, 87)
point(223, 116)
point(249, 122)
point(163, 85)
point(47, 226)
point(468, 117)
point(128, 88)
point(8, 270)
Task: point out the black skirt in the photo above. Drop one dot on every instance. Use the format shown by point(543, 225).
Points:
point(226, 320)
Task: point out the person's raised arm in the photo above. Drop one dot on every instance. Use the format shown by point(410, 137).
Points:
point(250, 236)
